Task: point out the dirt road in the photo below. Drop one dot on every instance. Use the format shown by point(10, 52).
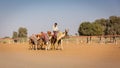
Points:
point(73, 56)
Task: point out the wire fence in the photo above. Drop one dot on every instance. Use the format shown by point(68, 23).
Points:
point(78, 40)
point(108, 39)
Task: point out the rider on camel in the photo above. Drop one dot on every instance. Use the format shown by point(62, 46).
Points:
point(55, 30)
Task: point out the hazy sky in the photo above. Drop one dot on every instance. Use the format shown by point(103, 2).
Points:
point(40, 15)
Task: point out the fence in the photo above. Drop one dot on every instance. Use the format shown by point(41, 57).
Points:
point(114, 39)
point(74, 39)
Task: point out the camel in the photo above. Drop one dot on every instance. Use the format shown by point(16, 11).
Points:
point(56, 40)
point(47, 40)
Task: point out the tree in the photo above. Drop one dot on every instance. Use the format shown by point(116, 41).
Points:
point(113, 25)
point(101, 26)
point(103, 23)
point(22, 32)
point(85, 28)
point(15, 35)
point(97, 29)
point(90, 29)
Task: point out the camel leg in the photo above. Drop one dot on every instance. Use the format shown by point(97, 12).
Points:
point(49, 46)
point(61, 44)
point(35, 47)
point(54, 47)
point(32, 46)
point(46, 47)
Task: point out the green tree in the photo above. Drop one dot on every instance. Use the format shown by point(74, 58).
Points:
point(113, 25)
point(85, 28)
point(90, 29)
point(15, 35)
point(103, 23)
point(101, 26)
point(22, 32)
point(97, 29)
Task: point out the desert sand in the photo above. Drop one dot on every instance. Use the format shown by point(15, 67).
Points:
point(91, 55)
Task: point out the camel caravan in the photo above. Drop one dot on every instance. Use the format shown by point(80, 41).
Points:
point(49, 40)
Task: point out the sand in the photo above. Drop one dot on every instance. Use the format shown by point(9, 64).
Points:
point(92, 55)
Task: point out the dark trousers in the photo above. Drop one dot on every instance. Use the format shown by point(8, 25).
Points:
point(55, 33)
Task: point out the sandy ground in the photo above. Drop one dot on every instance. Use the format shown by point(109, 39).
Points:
point(91, 55)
